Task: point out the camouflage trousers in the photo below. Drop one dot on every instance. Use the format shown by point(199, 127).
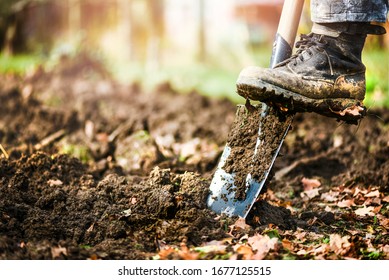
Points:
point(328, 11)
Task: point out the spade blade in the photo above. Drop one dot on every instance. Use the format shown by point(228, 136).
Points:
point(252, 146)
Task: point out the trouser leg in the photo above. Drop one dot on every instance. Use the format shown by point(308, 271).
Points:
point(330, 11)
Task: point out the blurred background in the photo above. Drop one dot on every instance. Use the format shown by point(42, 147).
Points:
point(192, 44)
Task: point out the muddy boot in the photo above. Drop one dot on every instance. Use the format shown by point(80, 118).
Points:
point(326, 75)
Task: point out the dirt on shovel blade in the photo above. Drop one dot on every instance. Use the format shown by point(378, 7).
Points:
point(253, 140)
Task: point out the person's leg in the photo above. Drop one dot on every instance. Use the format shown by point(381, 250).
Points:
point(330, 11)
point(326, 73)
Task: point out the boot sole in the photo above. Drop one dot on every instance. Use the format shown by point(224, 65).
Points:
point(344, 109)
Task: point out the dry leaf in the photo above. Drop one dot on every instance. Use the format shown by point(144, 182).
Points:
point(385, 249)
point(328, 209)
point(302, 252)
point(353, 111)
point(373, 194)
point(330, 196)
point(239, 224)
point(301, 236)
point(338, 244)
point(57, 251)
point(377, 209)
point(262, 244)
point(358, 190)
point(287, 244)
point(164, 254)
point(384, 222)
point(346, 203)
point(244, 250)
point(310, 184)
point(311, 193)
point(187, 254)
point(365, 211)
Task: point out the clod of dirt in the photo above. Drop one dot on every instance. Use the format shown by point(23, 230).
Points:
point(138, 152)
point(263, 213)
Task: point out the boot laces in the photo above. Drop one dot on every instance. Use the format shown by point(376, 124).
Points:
point(307, 43)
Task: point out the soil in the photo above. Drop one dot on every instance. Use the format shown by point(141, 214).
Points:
point(93, 169)
point(252, 126)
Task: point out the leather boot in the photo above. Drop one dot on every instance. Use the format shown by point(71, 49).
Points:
point(326, 75)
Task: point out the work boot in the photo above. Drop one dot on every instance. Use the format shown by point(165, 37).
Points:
point(326, 75)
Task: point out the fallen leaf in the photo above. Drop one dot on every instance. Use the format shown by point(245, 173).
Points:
point(374, 201)
point(301, 236)
point(164, 254)
point(346, 203)
point(244, 250)
point(385, 249)
point(338, 244)
point(330, 196)
point(262, 244)
point(310, 184)
point(311, 193)
point(57, 251)
point(377, 209)
point(322, 249)
point(365, 211)
point(358, 190)
point(386, 199)
point(385, 223)
point(353, 111)
point(239, 224)
point(287, 244)
point(302, 252)
point(328, 209)
point(187, 254)
point(373, 194)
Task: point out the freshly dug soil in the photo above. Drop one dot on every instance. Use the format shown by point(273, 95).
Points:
point(118, 173)
point(253, 139)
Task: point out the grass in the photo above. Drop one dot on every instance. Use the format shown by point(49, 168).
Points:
point(377, 78)
point(19, 64)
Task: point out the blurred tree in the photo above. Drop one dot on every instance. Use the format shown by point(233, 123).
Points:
point(156, 9)
point(202, 42)
point(29, 24)
point(147, 32)
point(9, 10)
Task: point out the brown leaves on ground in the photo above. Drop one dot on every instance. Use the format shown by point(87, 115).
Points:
point(361, 213)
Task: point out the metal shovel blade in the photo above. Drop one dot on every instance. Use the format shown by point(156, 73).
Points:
point(252, 146)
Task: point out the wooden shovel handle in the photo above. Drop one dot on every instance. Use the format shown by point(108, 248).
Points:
point(287, 30)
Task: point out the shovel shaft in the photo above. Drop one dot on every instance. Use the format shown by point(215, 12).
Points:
point(287, 30)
